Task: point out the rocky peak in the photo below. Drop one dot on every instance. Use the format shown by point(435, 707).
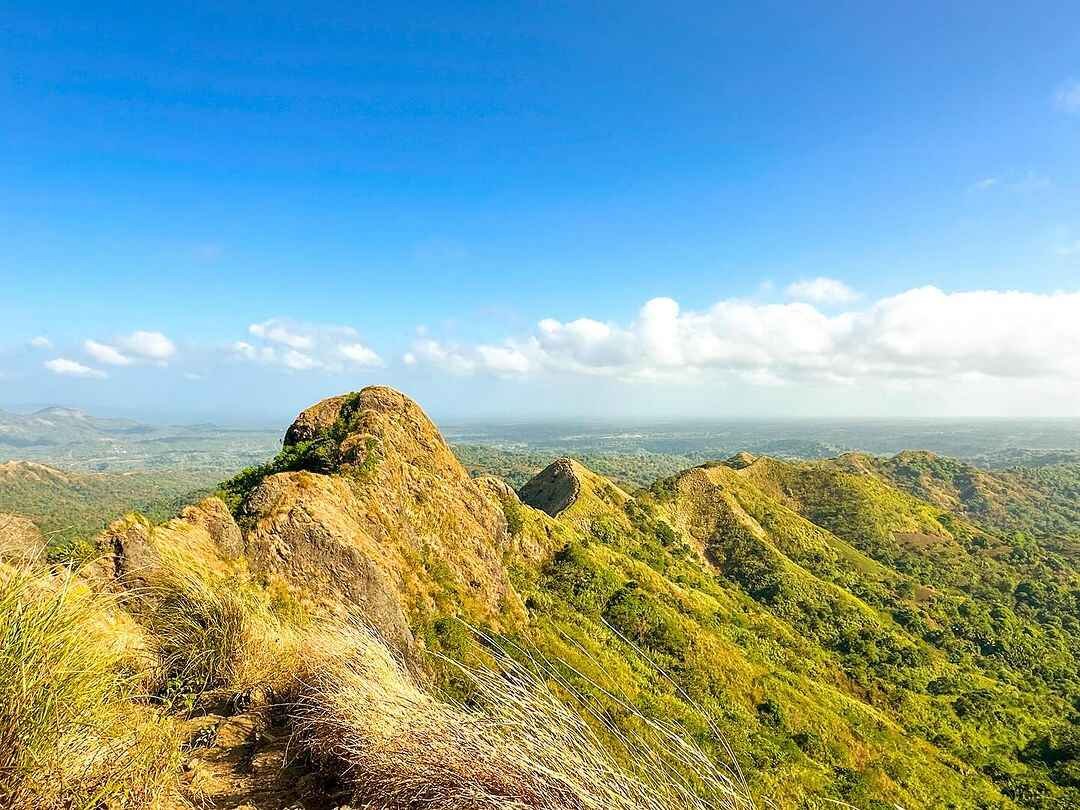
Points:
point(379, 514)
point(741, 460)
point(554, 489)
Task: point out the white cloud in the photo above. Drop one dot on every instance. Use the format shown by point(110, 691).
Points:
point(263, 354)
point(984, 184)
point(359, 354)
point(921, 334)
point(821, 290)
point(138, 346)
point(1067, 97)
point(501, 361)
point(40, 342)
point(305, 347)
point(447, 358)
point(276, 330)
point(298, 361)
point(71, 368)
point(105, 354)
point(149, 345)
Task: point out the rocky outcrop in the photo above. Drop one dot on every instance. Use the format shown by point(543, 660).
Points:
point(570, 490)
point(213, 516)
point(741, 460)
point(396, 528)
point(312, 532)
point(534, 535)
point(21, 542)
point(554, 489)
point(204, 538)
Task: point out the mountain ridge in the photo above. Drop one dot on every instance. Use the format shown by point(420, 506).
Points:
point(843, 639)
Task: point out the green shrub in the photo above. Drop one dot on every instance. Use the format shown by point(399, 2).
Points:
point(577, 578)
point(645, 620)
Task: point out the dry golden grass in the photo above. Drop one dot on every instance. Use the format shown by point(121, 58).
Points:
point(217, 636)
point(77, 733)
point(518, 747)
point(72, 732)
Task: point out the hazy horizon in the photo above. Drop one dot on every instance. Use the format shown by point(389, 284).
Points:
point(506, 421)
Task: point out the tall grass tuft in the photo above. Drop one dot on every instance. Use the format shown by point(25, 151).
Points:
point(519, 747)
point(217, 637)
point(72, 733)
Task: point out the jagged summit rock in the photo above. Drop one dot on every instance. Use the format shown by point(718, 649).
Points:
point(570, 489)
point(741, 460)
point(380, 515)
point(555, 488)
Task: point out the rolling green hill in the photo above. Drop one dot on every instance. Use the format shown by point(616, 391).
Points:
point(856, 643)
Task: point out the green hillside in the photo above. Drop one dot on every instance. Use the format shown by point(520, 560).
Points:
point(853, 642)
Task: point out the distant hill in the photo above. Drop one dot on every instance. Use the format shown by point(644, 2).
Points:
point(58, 426)
point(75, 439)
point(71, 506)
point(1043, 499)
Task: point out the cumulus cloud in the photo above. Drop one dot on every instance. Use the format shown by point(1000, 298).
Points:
point(305, 347)
point(821, 290)
point(149, 345)
point(920, 334)
point(278, 331)
point(139, 346)
point(40, 342)
point(1067, 97)
point(71, 368)
point(106, 354)
point(298, 361)
point(359, 354)
point(502, 361)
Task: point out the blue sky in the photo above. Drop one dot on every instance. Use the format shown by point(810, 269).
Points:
point(495, 206)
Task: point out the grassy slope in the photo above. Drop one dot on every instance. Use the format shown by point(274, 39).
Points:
point(842, 662)
point(851, 641)
point(848, 640)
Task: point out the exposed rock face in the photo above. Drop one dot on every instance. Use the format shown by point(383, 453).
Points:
point(205, 537)
point(396, 527)
point(21, 542)
point(568, 489)
point(534, 536)
point(312, 532)
point(554, 489)
point(128, 557)
point(316, 419)
point(213, 516)
point(741, 460)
